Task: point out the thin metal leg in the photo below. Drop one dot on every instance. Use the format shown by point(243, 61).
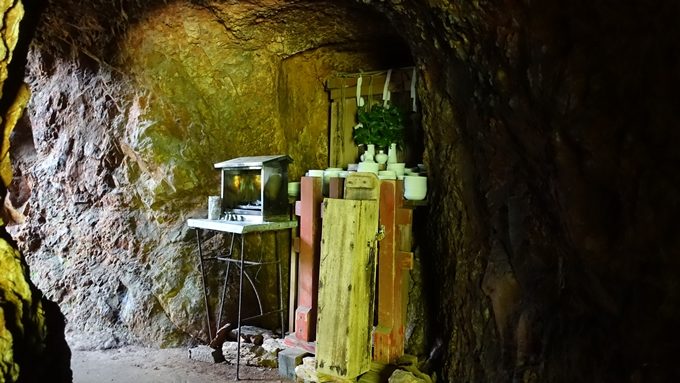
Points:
point(280, 280)
point(205, 289)
point(240, 300)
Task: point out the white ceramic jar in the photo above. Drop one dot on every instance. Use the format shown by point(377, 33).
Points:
point(415, 187)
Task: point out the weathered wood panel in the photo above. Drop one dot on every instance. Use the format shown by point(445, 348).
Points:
point(342, 149)
point(362, 186)
point(346, 287)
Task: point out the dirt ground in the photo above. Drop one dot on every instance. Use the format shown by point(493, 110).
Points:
point(134, 364)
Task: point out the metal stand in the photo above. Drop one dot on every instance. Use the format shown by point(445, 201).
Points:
point(242, 264)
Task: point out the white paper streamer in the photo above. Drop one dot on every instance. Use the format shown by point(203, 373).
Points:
point(386, 91)
point(360, 100)
point(413, 89)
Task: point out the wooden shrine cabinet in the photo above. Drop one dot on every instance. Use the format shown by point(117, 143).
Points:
point(390, 286)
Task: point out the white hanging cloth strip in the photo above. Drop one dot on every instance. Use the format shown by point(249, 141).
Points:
point(413, 89)
point(386, 89)
point(360, 100)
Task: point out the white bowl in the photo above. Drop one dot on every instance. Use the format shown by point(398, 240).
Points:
point(369, 167)
point(387, 175)
point(415, 188)
point(315, 173)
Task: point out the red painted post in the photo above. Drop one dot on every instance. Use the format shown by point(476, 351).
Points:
point(394, 258)
point(336, 186)
point(308, 267)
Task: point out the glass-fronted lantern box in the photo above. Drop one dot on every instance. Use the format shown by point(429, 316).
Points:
point(255, 188)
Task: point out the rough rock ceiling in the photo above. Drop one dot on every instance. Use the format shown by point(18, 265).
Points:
point(93, 28)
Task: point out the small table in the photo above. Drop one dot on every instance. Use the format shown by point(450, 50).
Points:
point(240, 228)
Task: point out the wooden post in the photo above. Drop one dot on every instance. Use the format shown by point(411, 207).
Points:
point(308, 263)
point(394, 257)
point(292, 284)
point(336, 186)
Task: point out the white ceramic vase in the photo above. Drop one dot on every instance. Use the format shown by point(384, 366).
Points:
point(381, 157)
point(368, 154)
point(392, 154)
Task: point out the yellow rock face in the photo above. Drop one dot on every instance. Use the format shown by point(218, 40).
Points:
point(12, 12)
point(15, 293)
point(16, 296)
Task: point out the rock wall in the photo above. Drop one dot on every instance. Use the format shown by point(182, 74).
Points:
point(123, 129)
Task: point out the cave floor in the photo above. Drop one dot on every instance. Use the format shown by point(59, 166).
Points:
point(149, 365)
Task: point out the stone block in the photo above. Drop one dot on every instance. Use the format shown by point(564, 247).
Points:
point(289, 358)
point(206, 354)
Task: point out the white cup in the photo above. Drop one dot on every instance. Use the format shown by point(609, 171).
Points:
point(214, 207)
point(293, 189)
point(415, 188)
point(315, 173)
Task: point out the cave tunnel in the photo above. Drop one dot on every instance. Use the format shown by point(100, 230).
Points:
point(546, 251)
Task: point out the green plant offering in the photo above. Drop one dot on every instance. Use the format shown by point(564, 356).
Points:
point(379, 125)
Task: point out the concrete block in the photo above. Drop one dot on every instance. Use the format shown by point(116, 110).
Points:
point(289, 358)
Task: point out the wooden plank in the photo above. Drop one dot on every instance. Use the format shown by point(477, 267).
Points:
point(342, 149)
point(308, 260)
point(335, 135)
point(350, 151)
point(404, 262)
point(293, 276)
point(372, 86)
point(394, 260)
point(382, 350)
point(346, 287)
point(375, 93)
point(336, 187)
point(400, 79)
